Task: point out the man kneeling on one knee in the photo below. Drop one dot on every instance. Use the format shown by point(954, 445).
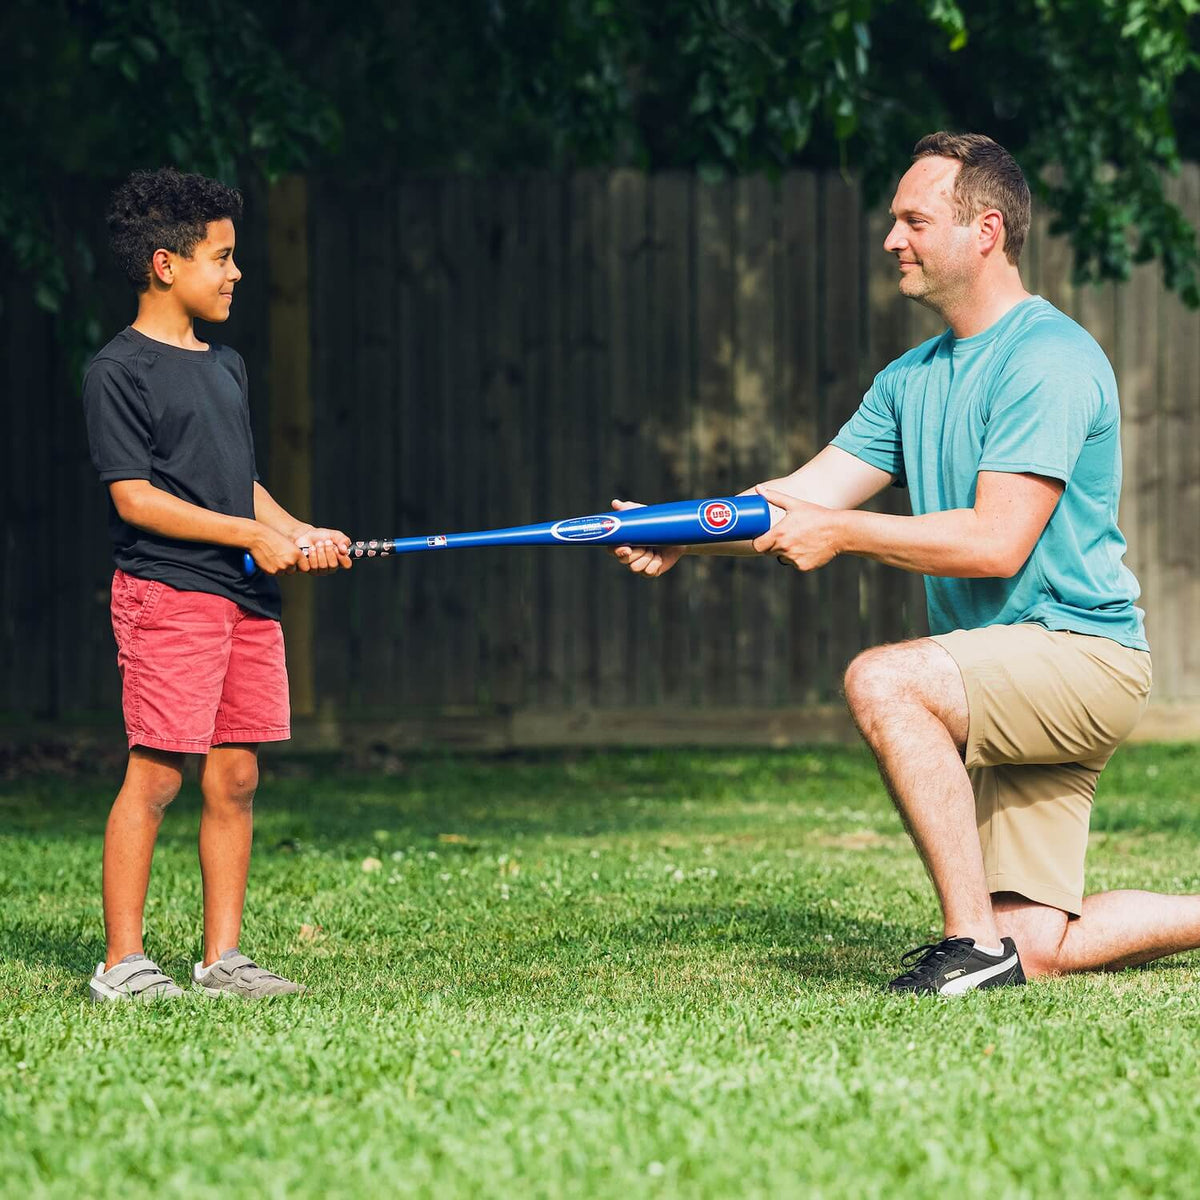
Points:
point(992, 733)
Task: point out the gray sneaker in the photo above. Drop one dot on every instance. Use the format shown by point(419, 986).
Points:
point(135, 977)
point(233, 974)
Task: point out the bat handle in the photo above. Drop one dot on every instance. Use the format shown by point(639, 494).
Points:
point(250, 567)
point(375, 548)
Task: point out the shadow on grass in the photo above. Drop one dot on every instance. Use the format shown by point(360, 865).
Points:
point(793, 939)
point(815, 948)
point(45, 945)
point(285, 817)
point(842, 950)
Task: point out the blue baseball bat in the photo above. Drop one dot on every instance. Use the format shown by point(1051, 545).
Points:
point(679, 523)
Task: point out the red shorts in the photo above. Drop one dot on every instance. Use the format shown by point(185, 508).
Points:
point(197, 670)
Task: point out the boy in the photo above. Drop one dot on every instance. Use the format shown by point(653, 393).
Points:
point(199, 645)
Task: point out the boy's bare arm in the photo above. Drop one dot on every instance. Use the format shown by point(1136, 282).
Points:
point(329, 548)
point(270, 512)
point(144, 506)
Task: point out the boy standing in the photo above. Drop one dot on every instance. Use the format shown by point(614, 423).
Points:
point(199, 644)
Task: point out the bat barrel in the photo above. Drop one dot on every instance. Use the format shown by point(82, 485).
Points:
point(688, 522)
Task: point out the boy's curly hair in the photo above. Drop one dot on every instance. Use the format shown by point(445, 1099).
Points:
point(164, 210)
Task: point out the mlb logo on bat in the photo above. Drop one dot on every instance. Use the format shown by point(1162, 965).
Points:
point(718, 516)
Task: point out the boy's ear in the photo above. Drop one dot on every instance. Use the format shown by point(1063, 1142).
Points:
point(162, 266)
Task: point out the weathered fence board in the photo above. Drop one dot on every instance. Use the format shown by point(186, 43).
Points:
point(799, 316)
point(1177, 516)
point(756, 594)
point(462, 595)
point(666, 427)
point(841, 389)
point(336, 653)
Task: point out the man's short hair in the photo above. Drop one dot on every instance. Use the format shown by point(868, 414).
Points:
point(988, 178)
point(164, 210)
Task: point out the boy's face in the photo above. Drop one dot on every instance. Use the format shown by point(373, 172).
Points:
point(203, 284)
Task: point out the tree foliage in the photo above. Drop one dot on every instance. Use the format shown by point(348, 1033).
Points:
point(1082, 91)
point(1086, 93)
point(93, 90)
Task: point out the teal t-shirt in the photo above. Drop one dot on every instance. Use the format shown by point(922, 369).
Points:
point(1032, 393)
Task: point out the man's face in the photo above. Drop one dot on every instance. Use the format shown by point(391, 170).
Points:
point(937, 257)
point(203, 284)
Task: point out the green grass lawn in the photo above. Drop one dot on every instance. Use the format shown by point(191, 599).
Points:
point(597, 974)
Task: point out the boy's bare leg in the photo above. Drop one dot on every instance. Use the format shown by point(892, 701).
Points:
point(228, 779)
point(1115, 929)
point(152, 781)
point(910, 705)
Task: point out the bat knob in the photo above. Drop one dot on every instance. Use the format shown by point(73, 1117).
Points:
point(249, 566)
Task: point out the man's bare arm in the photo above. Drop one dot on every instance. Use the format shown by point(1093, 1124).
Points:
point(832, 479)
point(993, 539)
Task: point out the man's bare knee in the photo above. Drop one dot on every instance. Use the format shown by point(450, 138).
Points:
point(917, 672)
point(868, 680)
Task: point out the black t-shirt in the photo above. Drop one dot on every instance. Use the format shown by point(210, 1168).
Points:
point(180, 419)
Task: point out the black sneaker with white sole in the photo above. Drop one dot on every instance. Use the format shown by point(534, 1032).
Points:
point(955, 966)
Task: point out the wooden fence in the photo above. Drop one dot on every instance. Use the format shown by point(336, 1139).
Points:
point(454, 354)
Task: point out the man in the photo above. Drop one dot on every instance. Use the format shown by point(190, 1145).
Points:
point(992, 733)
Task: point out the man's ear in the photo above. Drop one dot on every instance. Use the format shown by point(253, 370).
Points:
point(991, 230)
point(162, 267)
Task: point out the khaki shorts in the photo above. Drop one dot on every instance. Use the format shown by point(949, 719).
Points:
point(1047, 710)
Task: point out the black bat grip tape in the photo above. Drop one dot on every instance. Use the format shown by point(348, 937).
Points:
point(380, 548)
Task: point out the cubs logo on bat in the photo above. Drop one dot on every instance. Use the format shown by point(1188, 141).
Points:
point(718, 516)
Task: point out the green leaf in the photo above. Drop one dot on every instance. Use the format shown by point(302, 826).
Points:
point(146, 49)
point(47, 297)
point(741, 120)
